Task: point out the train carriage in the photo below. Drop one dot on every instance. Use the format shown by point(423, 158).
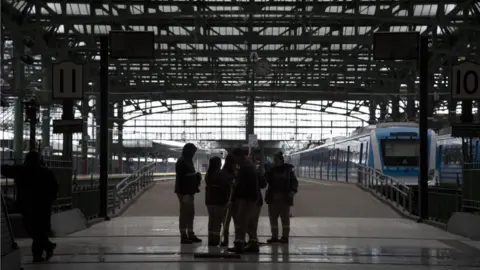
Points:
point(390, 148)
point(450, 157)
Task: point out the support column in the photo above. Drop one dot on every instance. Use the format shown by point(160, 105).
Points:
point(477, 117)
point(97, 134)
point(67, 114)
point(452, 110)
point(262, 157)
point(85, 137)
point(120, 136)
point(46, 128)
point(19, 72)
point(372, 112)
point(250, 123)
point(395, 109)
point(110, 137)
point(383, 112)
point(411, 110)
point(47, 65)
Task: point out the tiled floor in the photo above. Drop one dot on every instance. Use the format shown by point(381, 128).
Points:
point(317, 243)
point(314, 199)
point(353, 233)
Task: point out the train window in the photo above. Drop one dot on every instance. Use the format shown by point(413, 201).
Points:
point(366, 154)
point(451, 154)
point(400, 152)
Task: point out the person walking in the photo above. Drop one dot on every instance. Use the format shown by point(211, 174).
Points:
point(37, 190)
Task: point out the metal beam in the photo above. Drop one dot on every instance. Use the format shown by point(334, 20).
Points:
point(259, 39)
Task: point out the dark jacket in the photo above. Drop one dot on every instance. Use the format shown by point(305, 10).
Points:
point(218, 185)
point(187, 181)
point(36, 186)
point(262, 183)
point(281, 179)
point(246, 182)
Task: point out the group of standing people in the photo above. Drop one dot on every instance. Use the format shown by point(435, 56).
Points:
point(234, 192)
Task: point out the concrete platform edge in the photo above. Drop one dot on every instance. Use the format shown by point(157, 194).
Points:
point(68, 222)
point(464, 224)
point(12, 260)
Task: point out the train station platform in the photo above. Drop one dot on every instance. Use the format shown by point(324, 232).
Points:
point(335, 226)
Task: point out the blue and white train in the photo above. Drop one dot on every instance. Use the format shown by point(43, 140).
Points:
point(450, 157)
point(391, 148)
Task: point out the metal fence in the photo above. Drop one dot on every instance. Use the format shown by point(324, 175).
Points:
point(442, 201)
point(471, 188)
point(84, 197)
point(461, 194)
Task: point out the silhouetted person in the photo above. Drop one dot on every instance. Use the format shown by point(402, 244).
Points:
point(282, 186)
point(228, 173)
point(244, 197)
point(36, 191)
point(187, 183)
point(252, 225)
point(217, 191)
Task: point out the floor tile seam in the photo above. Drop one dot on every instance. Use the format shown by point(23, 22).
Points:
point(262, 236)
point(261, 262)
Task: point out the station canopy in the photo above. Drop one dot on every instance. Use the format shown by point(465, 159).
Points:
point(316, 50)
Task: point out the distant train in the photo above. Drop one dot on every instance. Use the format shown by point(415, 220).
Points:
point(390, 148)
point(450, 157)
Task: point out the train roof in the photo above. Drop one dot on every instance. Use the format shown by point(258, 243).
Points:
point(363, 132)
point(368, 129)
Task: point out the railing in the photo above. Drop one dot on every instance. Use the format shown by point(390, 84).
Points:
point(442, 202)
point(130, 187)
point(87, 197)
point(396, 192)
point(471, 188)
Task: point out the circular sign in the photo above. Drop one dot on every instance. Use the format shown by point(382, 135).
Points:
point(263, 67)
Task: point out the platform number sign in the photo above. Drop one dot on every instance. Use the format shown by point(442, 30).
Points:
point(67, 80)
point(466, 81)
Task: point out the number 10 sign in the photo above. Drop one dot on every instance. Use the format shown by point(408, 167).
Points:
point(465, 82)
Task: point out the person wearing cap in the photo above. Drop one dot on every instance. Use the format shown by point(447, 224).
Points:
point(282, 187)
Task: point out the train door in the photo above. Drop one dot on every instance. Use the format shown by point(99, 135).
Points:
point(360, 160)
point(337, 156)
point(476, 151)
point(347, 163)
point(366, 154)
point(438, 164)
point(320, 165)
point(329, 157)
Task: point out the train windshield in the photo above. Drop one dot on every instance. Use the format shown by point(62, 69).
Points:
point(400, 152)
